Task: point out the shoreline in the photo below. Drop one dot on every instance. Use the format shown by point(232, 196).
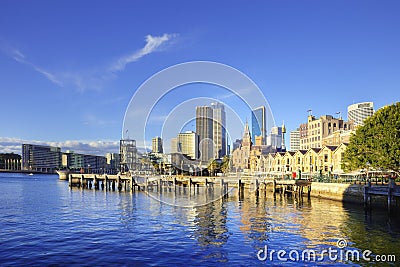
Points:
point(26, 172)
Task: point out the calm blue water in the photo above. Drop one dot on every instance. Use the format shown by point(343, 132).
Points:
point(44, 222)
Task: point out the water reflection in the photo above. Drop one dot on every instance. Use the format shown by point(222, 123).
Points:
point(141, 230)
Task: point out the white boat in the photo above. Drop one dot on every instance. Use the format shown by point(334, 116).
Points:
point(63, 174)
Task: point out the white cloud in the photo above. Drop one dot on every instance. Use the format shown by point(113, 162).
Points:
point(93, 78)
point(8, 145)
point(100, 148)
point(19, 57)
point(153, 43)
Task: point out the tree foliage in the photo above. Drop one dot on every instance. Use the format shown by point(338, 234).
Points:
point(376, 144)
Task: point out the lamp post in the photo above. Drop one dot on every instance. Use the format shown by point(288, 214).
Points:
point(367, 178)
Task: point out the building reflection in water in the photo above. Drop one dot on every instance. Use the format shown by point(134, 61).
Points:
point(281, 222)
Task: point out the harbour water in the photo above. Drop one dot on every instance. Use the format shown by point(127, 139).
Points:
point(44, 222)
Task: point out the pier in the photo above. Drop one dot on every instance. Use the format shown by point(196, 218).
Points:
point(130, 183)
point(390, 191)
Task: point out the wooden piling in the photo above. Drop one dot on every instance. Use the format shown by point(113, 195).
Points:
point(274, 186)
point(257, 185)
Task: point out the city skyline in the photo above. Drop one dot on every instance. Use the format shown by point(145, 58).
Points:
point(71, 84)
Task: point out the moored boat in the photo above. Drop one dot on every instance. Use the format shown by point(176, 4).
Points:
point(63, 174)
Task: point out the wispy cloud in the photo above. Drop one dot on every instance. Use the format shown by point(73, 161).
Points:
point(19, 57)
point(95, 77)
point(153, 44)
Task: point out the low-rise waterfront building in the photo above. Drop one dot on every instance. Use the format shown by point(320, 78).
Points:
point(337, 138)
point(41, 158)
point(112, 162)
point(83, 163)
point(313, 133)
point(10, 161)
point(241, 155)
point(314, 161)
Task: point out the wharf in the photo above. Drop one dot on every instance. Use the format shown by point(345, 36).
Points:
point(128, 182)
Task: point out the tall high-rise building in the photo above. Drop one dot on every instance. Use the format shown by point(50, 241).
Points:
point(258, 124)
point(359, 112)
point(174, 145)
point(10, 161)
point(156, 145)
point(295, 140)
point(204, 129)
point(275, 137)
point(128, 154)
point(219, 129)
point(41, 158)
point(188, 144)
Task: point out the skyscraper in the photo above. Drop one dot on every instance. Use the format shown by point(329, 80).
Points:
point(258, 123)
point(204, 129)
point(275, 138)
point(174, 145)
point(219, 129)
point(156, 145)
point(188, 144)
point(128, 155)
point(295, 140)
point(359, 112)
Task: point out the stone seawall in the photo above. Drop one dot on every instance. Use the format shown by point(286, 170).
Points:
point(340, 192)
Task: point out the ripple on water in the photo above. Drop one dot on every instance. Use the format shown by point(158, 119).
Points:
point(43, 222)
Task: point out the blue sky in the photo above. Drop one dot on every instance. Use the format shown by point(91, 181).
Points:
point(70, 68)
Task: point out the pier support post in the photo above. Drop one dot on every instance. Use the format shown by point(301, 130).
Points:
point(70, 180)
point(95, 182)
point(119, 183)
point(131, 183)
point(105, 181)
point(159, 185)
point(257, 185)
point(190, 183)
point(391, 186)
point(274, 186)
point(81, 185)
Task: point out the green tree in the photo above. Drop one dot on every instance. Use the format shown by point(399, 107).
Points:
point(225, 164)
point(213, 166)
point(376, 143)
